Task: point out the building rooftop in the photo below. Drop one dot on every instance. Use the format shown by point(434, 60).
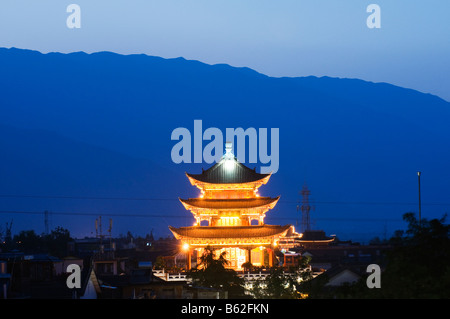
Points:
point(315, 235)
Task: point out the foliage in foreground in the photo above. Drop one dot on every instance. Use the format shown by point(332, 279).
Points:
point(417, 266)
point(212, 273)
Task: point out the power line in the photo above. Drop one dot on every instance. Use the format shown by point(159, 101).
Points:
point(90, 214)
point(87, 197)
point(176, 199)
point(184, 216)
point(369, 203)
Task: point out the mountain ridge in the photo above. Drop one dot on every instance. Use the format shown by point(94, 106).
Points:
point(351, 140)
point(226, 65)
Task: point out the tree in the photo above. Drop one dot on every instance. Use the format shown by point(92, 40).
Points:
point(28, 241)
point(212, 273)
point(56, 242)
point(417, 265)
point(281, 284)
point(160, 263)
point(247, 266)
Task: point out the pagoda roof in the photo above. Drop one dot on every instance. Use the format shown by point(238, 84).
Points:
point(229, 231)
point(240, 203)
point(228, 171)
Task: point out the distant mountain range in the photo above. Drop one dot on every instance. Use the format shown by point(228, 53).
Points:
point(99, 125)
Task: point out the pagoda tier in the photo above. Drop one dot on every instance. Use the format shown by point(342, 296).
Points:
point(228, 178)
point(229, 212)
point(201, 236)
point(230, 204)
point(228, 171)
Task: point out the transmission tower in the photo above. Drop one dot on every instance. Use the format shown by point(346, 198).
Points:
point(305, 209)
point(99, 233)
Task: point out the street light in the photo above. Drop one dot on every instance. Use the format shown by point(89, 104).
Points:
point(187, 250)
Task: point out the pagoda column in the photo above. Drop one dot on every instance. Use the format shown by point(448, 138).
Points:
point(249, 255)
point(188, 262)
point(261, 220)
point(270, 251)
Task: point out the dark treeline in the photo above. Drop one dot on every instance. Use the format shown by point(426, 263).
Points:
point(416, 266)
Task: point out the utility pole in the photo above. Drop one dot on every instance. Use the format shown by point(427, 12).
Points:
point(8, 235)
point(109, 233)
point(420, 208)
point(46, 222)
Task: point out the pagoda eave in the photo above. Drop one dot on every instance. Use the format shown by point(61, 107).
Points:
point(229, 235)
point(230, 204)
point(204, 185)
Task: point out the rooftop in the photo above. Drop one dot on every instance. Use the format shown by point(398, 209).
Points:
point(228, 171)
point(315, 235)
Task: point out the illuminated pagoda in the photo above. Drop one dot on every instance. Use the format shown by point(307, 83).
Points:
point(229, 215)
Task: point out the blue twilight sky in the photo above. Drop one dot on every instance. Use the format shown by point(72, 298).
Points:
point(277, 38)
